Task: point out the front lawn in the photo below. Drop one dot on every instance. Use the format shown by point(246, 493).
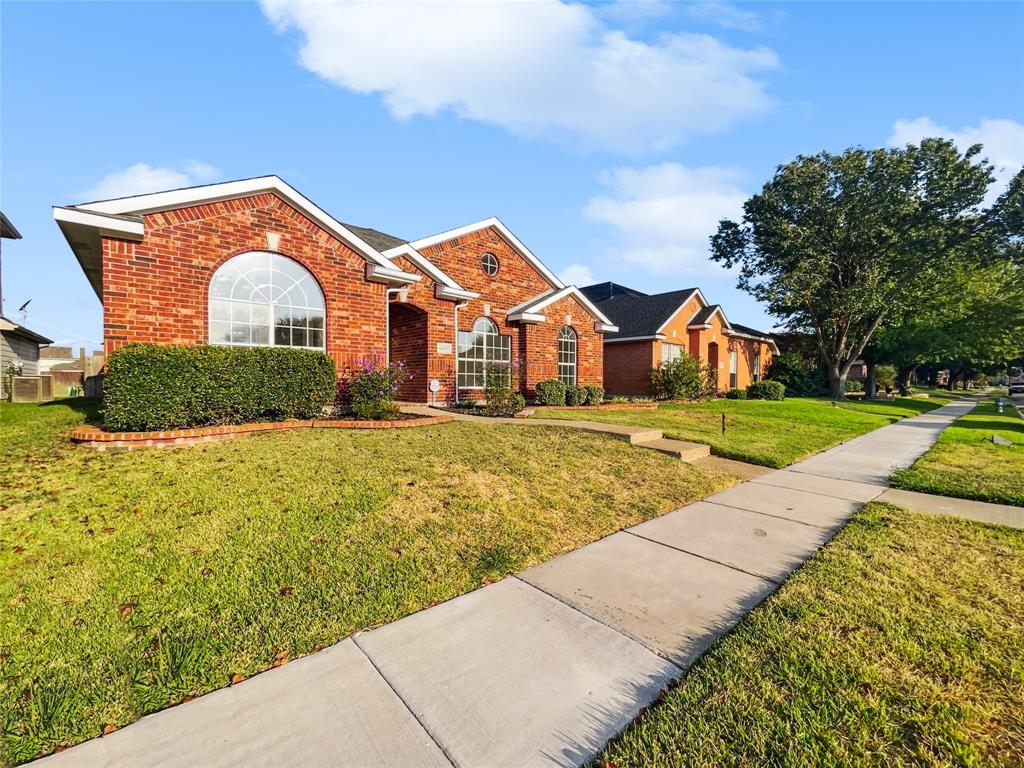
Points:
point(771, 433)
point(132, 580)
point(899, 644)
point(967, 464)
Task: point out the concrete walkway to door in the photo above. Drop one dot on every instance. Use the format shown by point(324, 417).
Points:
point(544, 667)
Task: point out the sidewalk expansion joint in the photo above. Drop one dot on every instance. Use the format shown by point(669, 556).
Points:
point(770, 580)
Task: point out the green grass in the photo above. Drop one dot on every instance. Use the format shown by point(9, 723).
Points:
point(899, 644)
point(771, 433)
point(132, 580)
point(966, 463)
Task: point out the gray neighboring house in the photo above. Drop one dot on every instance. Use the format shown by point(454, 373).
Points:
point(18, 345)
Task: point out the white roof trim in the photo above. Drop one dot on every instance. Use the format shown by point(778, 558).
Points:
point(432, 271)
point(718, 311)
point(228, 190)
point(107, 224)
point(770, 342)
point(655, 337)
point(392, 276)
point(454, 294)
point(605, 328)
point(451, 234)
point(526, 317)
point(683, 303)
point(550, 297)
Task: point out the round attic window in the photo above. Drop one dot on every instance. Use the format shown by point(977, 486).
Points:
point(489, 263)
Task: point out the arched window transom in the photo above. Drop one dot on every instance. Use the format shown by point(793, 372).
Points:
point(567, 355)
point(263, 299)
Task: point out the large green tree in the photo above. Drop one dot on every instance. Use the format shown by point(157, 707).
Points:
point(838, 244)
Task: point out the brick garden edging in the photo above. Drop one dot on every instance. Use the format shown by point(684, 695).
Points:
point(93, 437)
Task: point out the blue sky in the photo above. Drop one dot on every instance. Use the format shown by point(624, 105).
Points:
point(609, 137)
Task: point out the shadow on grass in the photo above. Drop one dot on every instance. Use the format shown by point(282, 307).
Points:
point(91, 408)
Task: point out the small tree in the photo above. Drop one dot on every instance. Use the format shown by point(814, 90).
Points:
point(838, 244)
point(684, 378)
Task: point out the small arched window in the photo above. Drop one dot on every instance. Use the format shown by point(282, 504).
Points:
point(263, 299)
point(567, 355)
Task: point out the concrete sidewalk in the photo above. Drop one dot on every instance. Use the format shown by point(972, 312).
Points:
point(542, 668)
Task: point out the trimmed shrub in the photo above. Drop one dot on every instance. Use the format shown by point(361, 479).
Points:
point(153, 387)
point(684, 378)
point(551, 392)
point(575, 395)
point(736, 394)
point(800, 377)
point(854, 386)
point(767, 390)
point(595, 395)
point(372, 388)
point(500, 399)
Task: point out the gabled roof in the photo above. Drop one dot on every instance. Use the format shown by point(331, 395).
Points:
point(85, 224)
point(7, 229)
point(748, 331)
point(445, 286)
point(703, 317)
point(9, 326)
point(515, 242)
point(531, 310)
point(379, 240)
point(640, 315)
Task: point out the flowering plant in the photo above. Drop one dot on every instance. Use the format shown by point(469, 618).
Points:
point(373, 387)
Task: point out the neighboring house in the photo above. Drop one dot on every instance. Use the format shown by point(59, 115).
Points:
point(654, 329)
point(19, 347)
point(255, 263)
point(64, 359)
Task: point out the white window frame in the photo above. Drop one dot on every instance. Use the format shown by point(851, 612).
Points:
point(568, 347)
point(734, 378)
point(485, 265)
point(757, 364)
point(478, 348)
point(242, 303)
point(671, 351)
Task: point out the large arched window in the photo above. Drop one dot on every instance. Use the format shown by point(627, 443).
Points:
point(478, 348)
point(567, 355)
point(263, 299)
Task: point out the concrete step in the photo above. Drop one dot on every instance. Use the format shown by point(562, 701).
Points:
point(634, 435)
point(680, 449)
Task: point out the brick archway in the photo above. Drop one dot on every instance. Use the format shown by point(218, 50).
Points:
point(407, 338)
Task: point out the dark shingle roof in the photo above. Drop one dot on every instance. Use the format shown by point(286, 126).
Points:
point(638, 314)
point(603, 291)
point(379, 240)
point(705, 314)
point(751, 331)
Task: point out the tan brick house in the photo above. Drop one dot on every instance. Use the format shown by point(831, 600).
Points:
point(653, 329)
point(255, 263)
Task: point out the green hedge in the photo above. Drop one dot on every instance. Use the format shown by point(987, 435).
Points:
point(595, 395)
point(551, 392)
point(767, 390)
point(150, 387)
point(736, 394)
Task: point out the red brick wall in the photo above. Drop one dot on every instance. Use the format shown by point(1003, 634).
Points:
point(627, 368)
point(542, 346)
point(156, 290)
point(408, 332)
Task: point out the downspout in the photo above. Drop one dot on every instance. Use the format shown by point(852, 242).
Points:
point(455, 349)
point(387, 323)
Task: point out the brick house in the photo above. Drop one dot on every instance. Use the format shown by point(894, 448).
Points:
point(255, 263)
point(653, 329)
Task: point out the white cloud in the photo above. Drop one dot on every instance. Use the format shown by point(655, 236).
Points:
point(141, 178)
point(665, 214)
point(539, 69)
point(724, 15)
point(1002, 142)
point(577, 274)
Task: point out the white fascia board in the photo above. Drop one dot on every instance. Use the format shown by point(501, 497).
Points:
point(698, 326)
point(538, 303)
point(527, 254)
point(392, 276)
point(526, 317)
point(679, 309)
point(106, 224)
point(212, 193)
point(655, 337)
point(605, 328)
point(770, 342)
point(432, 271)
point(454, 294)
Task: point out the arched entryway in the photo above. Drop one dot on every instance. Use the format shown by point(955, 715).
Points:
point(407, 342)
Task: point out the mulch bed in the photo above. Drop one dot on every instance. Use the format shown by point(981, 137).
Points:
point(95, 437)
